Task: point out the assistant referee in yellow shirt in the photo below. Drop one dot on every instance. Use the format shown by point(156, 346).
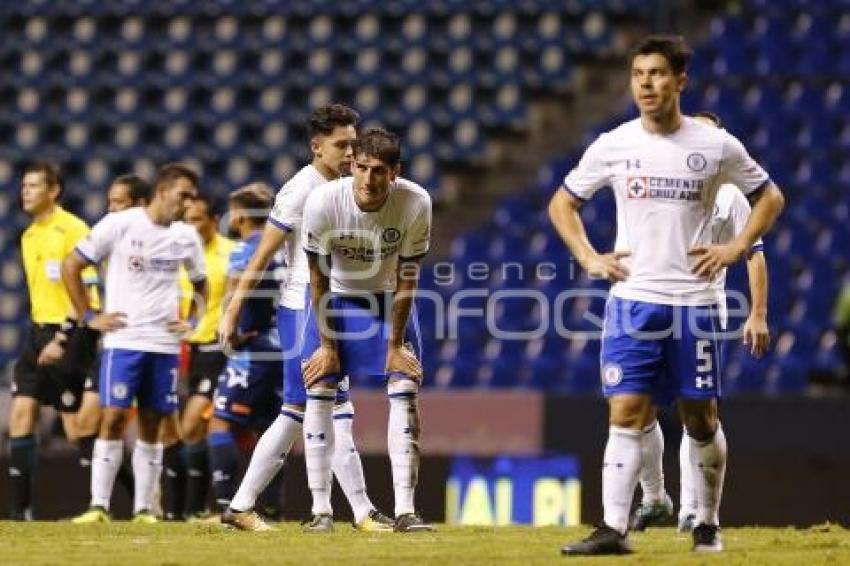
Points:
point(56, 355)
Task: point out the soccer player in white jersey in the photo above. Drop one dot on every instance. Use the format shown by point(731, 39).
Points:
point(731, 211)
point(659, 341)
point(332, 131)
point(364, 237)
point(144, 249)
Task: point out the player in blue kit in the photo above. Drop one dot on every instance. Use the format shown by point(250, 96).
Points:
point(144, 248)
point(364, 236)
point(248, 394)
point(660, 337)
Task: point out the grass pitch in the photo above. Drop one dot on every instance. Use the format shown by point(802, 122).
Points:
point(181, 544)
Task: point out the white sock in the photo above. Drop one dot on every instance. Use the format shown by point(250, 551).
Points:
point(267, 459)
point(147, 466)
point(107, 457)
point(403, 443)
point(709, 462)
point(319, 447)
point(346, 463)
point(652, 463)
point(687, 494)
point(620, 470)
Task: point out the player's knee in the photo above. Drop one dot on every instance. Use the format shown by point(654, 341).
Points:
point(23, 416)
point(112, 424)
point(629, 411)
point(402, 387)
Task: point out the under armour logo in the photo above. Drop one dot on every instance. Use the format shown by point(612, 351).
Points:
point(632, 164)
point(311, 436)
point(706, 382)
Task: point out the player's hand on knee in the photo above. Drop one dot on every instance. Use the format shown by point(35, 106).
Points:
point(108, 321)
point(757, 335)
point(710, 260)
point(53, 351)
point(323, 362)
point(608, 266)
point(401, 360)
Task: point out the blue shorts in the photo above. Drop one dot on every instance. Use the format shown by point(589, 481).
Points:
point(668, 352)
point(248, 391)
point(290, 325)
point(149, 377)
point(362, 328)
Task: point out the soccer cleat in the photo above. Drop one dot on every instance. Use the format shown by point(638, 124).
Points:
point(411, 523)
point(321, 523)
point(707, 538)
point(244, 520)
point(93, 515)
point(686, 523)
point(604, 540)
point(375, 522)
point(144, 517)
point(653, 514)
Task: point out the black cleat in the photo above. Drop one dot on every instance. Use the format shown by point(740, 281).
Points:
point(411, 523)
point(707, 538)
point(604, 540)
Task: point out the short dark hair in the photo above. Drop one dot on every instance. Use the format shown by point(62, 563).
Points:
point(325, 119)
point(379, 143)
point(52, 174)
point(708, 114)
point(671, 47)
point(211, 202)
point(171, 172)
point(255, 197)
point(140, 190)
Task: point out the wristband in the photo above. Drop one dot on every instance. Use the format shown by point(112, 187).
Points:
point(69, 325)
point(88, 316)
point(193, 322)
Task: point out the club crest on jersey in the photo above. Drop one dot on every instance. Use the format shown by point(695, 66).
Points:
point(636, 187)
point(612, 374)
point(391, 235)
point(696, 162)
point(136, 264)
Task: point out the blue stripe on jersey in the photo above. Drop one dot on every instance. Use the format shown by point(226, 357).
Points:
point(572, 192)
point(84, 256)
point(280, 225)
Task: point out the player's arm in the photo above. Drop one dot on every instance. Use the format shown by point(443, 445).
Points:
point(325, 360)
point(272, 239)
point(564, 214)
point(196, 269)
point(742, 171)
point(399, 358)
point(756, 332)
point(72, 278)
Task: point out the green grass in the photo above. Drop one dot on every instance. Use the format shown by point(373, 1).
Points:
point(181, 544)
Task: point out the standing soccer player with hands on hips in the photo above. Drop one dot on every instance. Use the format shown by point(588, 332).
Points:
point(364, 236)
point(660, 337)
point(144, 248)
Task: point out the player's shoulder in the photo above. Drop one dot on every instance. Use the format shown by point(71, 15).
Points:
point(125, 217)
point(305, 179)
point(68, 219)
point(624, 134)
point(412, 191)
point(328, 191)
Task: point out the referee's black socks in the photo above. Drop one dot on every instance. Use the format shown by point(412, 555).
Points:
point(22, 458)
point(174, 481)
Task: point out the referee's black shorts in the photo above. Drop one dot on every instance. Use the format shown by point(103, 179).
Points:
point(60, 385)
point(206, 362)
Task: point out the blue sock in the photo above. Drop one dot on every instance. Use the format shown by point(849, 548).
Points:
point(22, 457)
point(224, 458)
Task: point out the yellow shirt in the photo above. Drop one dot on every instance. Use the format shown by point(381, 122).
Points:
point(217, 258)
point(43, 247)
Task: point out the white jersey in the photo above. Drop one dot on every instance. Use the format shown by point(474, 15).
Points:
point(365, 246)
point(731, 212)
point(142, 275)
point(287, 215)
point(665, 188)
